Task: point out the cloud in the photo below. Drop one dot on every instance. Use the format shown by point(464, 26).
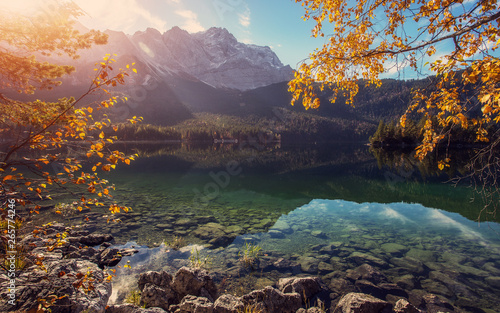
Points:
point(244, 18)
point(120, 15)
point(191, 23)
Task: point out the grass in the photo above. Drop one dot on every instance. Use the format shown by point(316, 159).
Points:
point(253, 308)
point(134, 297)
point(175, 243)
point(196, 260)
point(250, 254)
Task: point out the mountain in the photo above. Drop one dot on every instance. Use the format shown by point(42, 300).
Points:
point(213, 57)
point(182, 74)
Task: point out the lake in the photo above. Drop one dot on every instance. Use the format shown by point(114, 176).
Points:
point(313, 209)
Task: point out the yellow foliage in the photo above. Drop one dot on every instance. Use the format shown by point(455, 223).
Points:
point(45, 127)
point(364, 36)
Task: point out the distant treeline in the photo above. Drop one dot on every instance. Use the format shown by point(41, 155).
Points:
point(289, 127)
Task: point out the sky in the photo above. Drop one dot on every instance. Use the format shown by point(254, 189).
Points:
point(277, 23)
point(274, 23)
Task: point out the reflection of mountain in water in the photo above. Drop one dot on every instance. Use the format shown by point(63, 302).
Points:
point(209, 194)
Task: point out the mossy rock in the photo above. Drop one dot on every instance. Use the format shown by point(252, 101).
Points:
point(394, 248)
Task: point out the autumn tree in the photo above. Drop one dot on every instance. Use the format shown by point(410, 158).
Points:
point(35, 135)
point(453, 41)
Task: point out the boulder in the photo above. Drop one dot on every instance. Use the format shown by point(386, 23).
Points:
point(304, 286)
point(156, 290)
point(193, 304)
point(161, 279)
point(60, 280)
point(228, 304)
point(130, 308)
point(273, 300)
point(194, 281)
point(403, 306)
point(361, 303)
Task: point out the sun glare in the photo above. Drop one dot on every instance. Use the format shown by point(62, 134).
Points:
point(27, 7)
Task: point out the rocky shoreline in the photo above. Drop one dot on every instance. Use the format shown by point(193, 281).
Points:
point(70, 270)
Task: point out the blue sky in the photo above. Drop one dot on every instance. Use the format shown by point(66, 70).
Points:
point(275, 23)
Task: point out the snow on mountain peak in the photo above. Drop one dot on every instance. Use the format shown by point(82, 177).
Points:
point(213, 56)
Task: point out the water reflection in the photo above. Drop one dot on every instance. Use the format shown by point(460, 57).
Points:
point(329, 237)
point(164, 188)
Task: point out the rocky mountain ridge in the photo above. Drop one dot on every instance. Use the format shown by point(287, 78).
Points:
point(214, 57)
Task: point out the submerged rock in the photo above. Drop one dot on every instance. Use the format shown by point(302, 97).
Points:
point(361, 303)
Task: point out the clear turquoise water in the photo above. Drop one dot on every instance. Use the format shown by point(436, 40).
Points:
point(293, 201)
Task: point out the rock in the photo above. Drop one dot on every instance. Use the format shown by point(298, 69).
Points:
point(228, 304)
point(308, 264)
point(366, 272)
point(186, 222)
point(156, 290)
point(406, 282)
point(412, 265)
point(381, 290)
point(341, 286)
point(283, 227)
point(193, 304)
point(95, 239)
point(163, 226)
point(34, 284)
point(196, 282)
point(284, 265)
point(362, 258)
point(156, 296)
point(436, 304)
point(130, 308)
point(276, 233)
point(160, 279)
point(394, 248)
point(315, 310)
point(109, 257)
point(304, 286)
point(318, 233)
point(450, 281)
point(128, 252)
point(90, 254)
point(422, 255)
point(493, 281)
point(436, 287)
point(325, 268)
point(273, 300)
point(361, 303)
point(403, 306)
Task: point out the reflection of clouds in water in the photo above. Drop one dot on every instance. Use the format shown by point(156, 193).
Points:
point(393, 214)
point(365, 209)
point(442, 220)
